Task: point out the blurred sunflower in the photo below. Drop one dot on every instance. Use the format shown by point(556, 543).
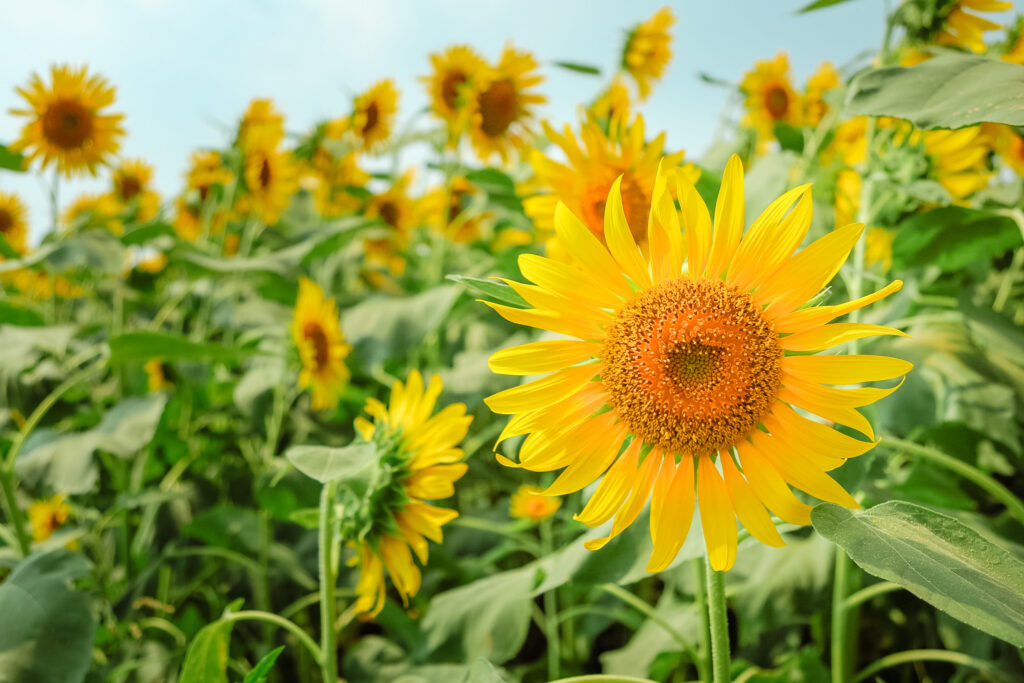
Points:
point(46, 516)
point(271, 177)
point(825, 79)
point(155, 378)
point(14, 222)
point(66, 124)
point(648, 50)
point(613, 102)
point(316, 332)
point(770, 97)
point(331, 181)
point(583, 181)
point(454, 72)
point(402, 214)
point(501, 105)
point(133, 182)
point(263, 120)
point(676, 367)
point(849, 142)
point(848, 191)
point(420, 451)
point(373, 116)
point(878, 248)
point(958, 158)
point(965, 29)
point(93, 211)
point(455, 212)
point(1007, 143)
point(153, 263)
point(529, 502)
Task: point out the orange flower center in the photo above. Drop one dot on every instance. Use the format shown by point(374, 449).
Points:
point(776, 101)
point(314, 333)
point(372, 118)
point(67, 124)
point(389, 213)
point(128, 187)
point(497, 107)
point(6, 221)
point(450, 86)
point(692, 366)
point(635, 202)
point(536, 507)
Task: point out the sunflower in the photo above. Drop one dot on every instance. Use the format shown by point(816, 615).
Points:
point(206, 169)
point(155, 378)
point(420, 450)
point(529, 502)
point(965, 29)
point(455, 210)
point(132, 182)
point(848, 190)
point(66, 124)
point(770, 97)
point(959, 159)
point(401, 213)
point(849, 142)
point(271, 176)
point(501, 105)
point(680, 375)
point(648, 50)
point(878, 248)
point(591, 168)
point(317, 334)
point(14, 222)
point(262, 119)
point(825, 79)
point(373, 116)
point(93, 211)
point(613, 102)
point(46, 516)
point(1007, 143)
point(330, 180)
point(153, 263)
point(454, 72)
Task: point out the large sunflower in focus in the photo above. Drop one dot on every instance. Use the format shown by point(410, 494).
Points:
point(317, 334)
point(271, 176)
point(373, 116)
point(501, 105)
point(420, 451)
point(133, 182)
point(454, 72)
point(648, 50)
point(67, 124)
point(593, 162)
point(770, 97)
point(685, 369)
point(14, 222)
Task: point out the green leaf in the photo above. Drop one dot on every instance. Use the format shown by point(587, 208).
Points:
point(819, 4)
point(48, 628)
point(207, 658)
point(137, 347)
point(326, 464)
point(950, 91)
point(382, 327)
point(12, 161)
point(491, 290)
point(6, 250)
point(952, 237)
point(935, 557)
point(146, 232)
point(579, 68)
point(263, 667)
point(22, 317)
point(790, 137)
point(227, 527)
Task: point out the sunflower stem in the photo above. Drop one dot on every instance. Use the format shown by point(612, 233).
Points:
point(14, 513)
point(551, 610)
point(328, 636)
point(701, 594)
point(719, 623)
point(909, 656)
point(840, 618)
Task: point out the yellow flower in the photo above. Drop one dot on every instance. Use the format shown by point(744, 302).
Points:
point(46, 516)
point(271, 176)
point(453, 211)
point(823, 80)
point(849, 142)
point(421, 451)
point(501, 105)
point(613, 102)
point(38, 285)
point(14, 222)
point(958, 159)
point(878, 248)
point(155, 376)
point(648, 50)
point(263, 120)
point(373, 118)
point(132, 182)
point(93, 210)
point(454, 72)
point(582, 182)
point(693, 355)
point(530, 503)
point(1015, 53)
point(401, 213)
point(317, 334)
point(770, 97)
point(848, 190)
point(912, 56)
point(66, 124)
point(153, 263)
point(329, 179)
point(964, 29)
point(206, 171)
point(1007, 144)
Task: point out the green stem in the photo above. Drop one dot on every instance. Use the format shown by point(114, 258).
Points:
point(652, 614)
point(603, 678)
point(328, 636)
point(840, 617)
point(873, 591)
point(922, 656)
point(719, 622)
point(551, 611)
point(704, 662)
point(1004, 495)
point(14, 513)
point(290, 626)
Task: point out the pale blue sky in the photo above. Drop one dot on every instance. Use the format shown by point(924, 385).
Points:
point(186, 69)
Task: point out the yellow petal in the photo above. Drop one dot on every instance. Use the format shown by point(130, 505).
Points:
point(614, 487)
point(728, 218)
point(717, 517)
point(805, 274)
point(804, 477)
point(845, 369)
point(547, 321)
point(759, 238)
point(566, 281)
point(749, 510)
point(588, 251)
point(542, 356)
point(637, 500)
point(697, 223)
point(798, 321)
point(770, 487)
point(620, 239)
point(779, 245)
point(827, 336)
point(542, 392)
point(673, 519)
point(664, 237)
point(594, 460)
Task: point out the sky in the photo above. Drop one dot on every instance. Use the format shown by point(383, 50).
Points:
point(186, 69)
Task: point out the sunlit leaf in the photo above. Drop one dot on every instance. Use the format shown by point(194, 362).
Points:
point(326, 464)
point(491, 290)
point(135, 347)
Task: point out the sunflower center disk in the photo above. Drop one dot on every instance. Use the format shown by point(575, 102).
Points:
point(321, 346)
point(67, 124)
point(692, 366)
point(450, 88)
point(130, 188)
point(372, 117)
point(6, 221)
point(776, 100)
point(497, 108)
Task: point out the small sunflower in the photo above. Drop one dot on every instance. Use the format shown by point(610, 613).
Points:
point(156, 380)
point(317, 334)
point(687, 366)
point(454, 72)
point(455, 210)
point(402, 214)
point(46, 516)
point(770, 97)
point(133, 183)
point(849, 142)
point(66, 124)
point(965, 29)
point(878, 248)
point(648, 50)
point(591, 168)
point(1007, 143)
point(825, 79)
point(501, 105)
point(153, 263)
point(263, 120)
point(848, 190)
point(271, 177)
point(373, 116)
point(529, 502)
point(959, 158)
point(93, 211)
point(420, 450)
point(14, 222)
point(613, 102)
point(331, 181)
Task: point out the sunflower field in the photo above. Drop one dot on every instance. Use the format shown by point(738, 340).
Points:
point(557, 402)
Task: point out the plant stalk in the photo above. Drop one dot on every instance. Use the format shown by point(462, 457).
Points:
point(719, 622)
point(328, 636)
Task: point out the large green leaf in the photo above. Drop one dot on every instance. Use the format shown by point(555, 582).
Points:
point(491, 290)
point(935, 557)
point(138, 347)
point(950, 91)
point(384, 327)
point(47, 628)
point(953, 236)
point(325, 463)
point(11, 161)
point(207, 658)
point(22, 317)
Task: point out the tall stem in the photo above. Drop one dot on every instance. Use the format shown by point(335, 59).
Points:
point(840, 617)
point(704, 661)
point(551, 611)
point(328, 636)
point(719, 622)
point(14, 513)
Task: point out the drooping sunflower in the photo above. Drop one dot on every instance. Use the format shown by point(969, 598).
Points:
point(529, 502)
point(262, 119)
point(454, 72)
point(66, 124)
point(133, 182)
point(373, 115)
point(501, 105)
point(648, 50)
point(825, 79)
point(316, 332)
point(686, 367)
point(14, 222)
point(271, 177)
point(770, 97)
point(420, 450)
point(593, 162)
point(965, 29)
point(46, 516)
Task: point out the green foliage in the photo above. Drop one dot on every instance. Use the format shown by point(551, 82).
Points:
point(953, 237)
point(134, 347)
point(325, 464)
point(207, 658)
